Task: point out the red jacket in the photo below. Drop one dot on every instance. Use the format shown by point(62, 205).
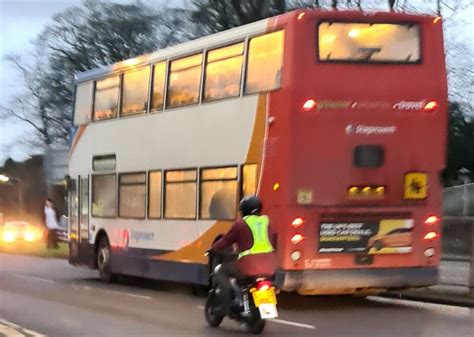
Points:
point(241, 236)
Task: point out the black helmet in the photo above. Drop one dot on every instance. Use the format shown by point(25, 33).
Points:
point(250, 205)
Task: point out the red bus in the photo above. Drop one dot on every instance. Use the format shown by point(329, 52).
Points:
point(336, 119)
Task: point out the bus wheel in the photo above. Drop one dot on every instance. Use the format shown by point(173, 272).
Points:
point(103, 260)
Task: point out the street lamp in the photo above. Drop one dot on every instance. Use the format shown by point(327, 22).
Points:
point(5, 179)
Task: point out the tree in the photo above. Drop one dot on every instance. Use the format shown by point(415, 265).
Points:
point(460, 144)
point(212, 16)
point(80, 38)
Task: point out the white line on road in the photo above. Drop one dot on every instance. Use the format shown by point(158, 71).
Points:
point(299, 325)
point(10, 329)
point(281, 321)
point(442, 308)
point(35, 278)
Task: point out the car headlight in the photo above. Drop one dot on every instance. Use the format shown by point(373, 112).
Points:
point(9, 236)
point(30, 236)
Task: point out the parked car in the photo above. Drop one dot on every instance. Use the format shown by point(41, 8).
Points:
point(14, 231)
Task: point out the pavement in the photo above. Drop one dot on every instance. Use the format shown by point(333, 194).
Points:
point(47, 297)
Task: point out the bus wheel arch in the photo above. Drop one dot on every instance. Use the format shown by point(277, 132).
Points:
point(103, 255)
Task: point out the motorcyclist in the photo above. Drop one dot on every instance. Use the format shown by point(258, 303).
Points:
point(251, 235)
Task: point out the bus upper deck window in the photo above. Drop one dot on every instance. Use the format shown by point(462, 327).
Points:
point(223, 72)
point(158, 86)
point(369, 42)
point(83, 103)
point(265, 59)
point(184, 80)
point(106, 98)
point(135, 91)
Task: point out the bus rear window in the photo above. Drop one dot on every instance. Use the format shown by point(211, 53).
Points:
point(369, 42)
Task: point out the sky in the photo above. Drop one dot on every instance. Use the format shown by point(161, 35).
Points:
point(22, 20)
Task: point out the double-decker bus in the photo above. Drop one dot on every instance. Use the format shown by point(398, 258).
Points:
point(337, 120)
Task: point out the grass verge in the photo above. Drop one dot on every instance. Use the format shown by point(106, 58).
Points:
point(35, 249)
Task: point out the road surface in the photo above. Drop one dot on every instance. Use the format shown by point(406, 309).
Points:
point(47, 297)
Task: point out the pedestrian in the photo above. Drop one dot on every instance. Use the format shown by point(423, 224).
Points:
point(51, 220)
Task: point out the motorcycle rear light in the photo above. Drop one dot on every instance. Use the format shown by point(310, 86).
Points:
point(297, 238)
point(297, 222)
point(264, 285)
point(431, 236)
point(432, 220)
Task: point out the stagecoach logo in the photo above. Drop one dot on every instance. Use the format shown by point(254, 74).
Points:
point(368, 130)
point(408, 105)
point(142, 236)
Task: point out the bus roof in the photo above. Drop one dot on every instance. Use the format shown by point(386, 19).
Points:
point(232, 35)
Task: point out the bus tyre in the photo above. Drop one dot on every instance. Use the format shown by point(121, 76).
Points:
point(103, 260)
point(378, 245)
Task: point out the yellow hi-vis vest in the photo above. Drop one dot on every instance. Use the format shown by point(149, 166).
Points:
point(259, 227)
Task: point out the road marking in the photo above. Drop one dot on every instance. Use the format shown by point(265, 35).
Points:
point(444, 309)
point(10, 329)
point(35, 278)
point(281, 321)
point(299, 325)
point(9, 332)
point(139, 296)
point(32, 333)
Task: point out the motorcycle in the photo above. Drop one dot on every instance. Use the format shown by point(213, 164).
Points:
point(254, 300)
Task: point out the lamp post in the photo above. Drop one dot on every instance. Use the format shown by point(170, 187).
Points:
point(6, 179)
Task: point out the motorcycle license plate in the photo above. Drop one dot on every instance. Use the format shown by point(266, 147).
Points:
point(261, 297)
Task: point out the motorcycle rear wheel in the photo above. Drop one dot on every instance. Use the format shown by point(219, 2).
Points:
point(255, 324)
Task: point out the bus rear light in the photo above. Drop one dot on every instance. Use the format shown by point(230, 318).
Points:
point(297, 238)
point(309, 105)
point(297, 222)
point(296, 255)
point(430, 106)
point(432, 220)
point(431, 236)
point(430, 252)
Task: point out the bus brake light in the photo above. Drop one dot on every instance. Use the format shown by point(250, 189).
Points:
point(297, 238)
point(431, 236)
point(432, 220)
point(430, 106)
point(297, 222)
point(309, 105)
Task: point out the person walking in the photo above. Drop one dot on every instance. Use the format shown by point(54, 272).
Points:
point(51, 220)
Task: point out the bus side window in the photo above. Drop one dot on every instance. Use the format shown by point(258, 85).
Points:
point(265, 58)
point(132, 194)
point(135, 92)
point(218, 193)
point(83, 103)
point(154, 194)
point(104, 196)
point(249, 180)
point(158, 86)
point(184, 80)
point(180, 194)
point(106, 98)
point(223, 72)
